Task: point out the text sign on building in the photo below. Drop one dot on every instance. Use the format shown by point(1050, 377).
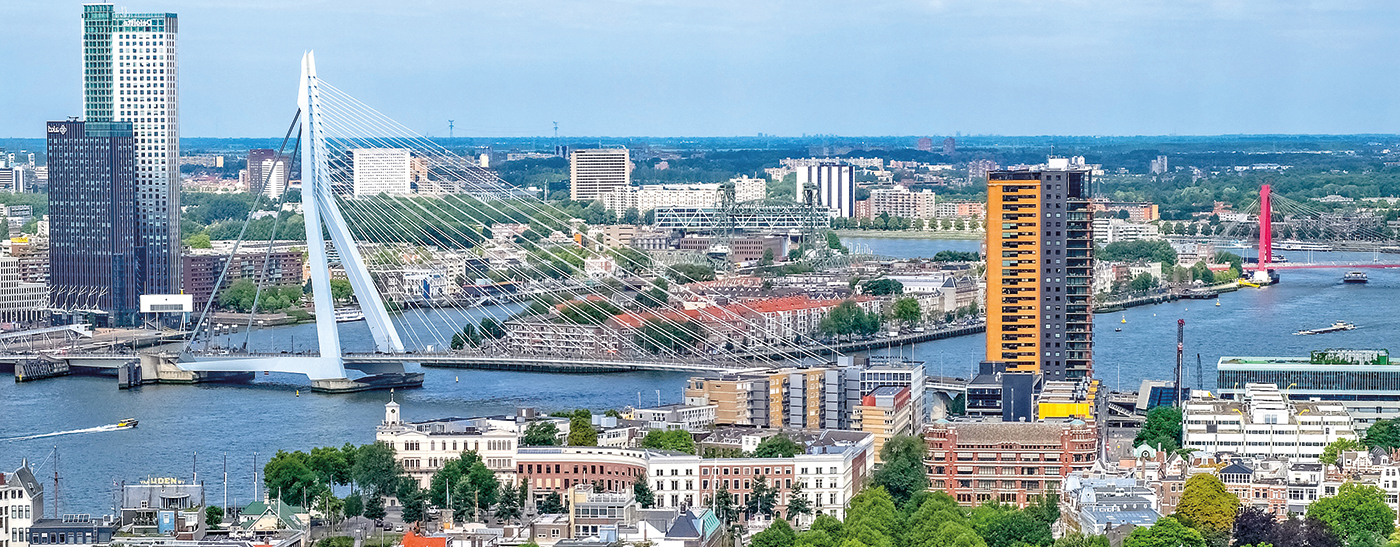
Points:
point(167, 303)
point(1351, 357)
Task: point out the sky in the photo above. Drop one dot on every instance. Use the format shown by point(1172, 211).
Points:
point(743, 67)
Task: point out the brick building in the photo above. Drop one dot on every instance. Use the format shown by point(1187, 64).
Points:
point(200, 269)
point(1007, 462)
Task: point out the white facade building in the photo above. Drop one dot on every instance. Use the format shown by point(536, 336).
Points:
point(747, 189)
point(276, 172)
point(653, 196)
point(1114, 230)
point(424, 447)
point(593, 172)
point(20, 301)
point(21, 503)
point(834, 186)
point(1264, 424)
point(381, 171)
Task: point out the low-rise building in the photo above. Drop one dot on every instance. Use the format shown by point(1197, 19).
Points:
point(422, 448)
point(1007, 462)
point(693, 418)
point(653, 196)
point(1091, 504)
point(1365, 382)
point(21, 504)
point(1264, 425)
point(884, 413)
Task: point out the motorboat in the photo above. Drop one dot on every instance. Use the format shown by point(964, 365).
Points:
point(1354, 277)
point(127, 423)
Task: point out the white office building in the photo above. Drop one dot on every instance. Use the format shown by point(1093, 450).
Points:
point(381, 171)
point(1265, 425)
point(276, 172)
point(747, 189)
point(833, 185)
point(594, 172)
point(130, 74)
point(653, 196)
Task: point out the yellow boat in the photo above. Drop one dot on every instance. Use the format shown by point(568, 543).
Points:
point(126, 424)
point(1249, 284)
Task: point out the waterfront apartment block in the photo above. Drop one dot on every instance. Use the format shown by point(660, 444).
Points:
point(1263, 424)
point(1007, 462)
point(19, 300)
point(200, 270)
point(131, 75)
point(1039, 265)
point(593, 172)
point(97, 256)
point(1366, 382)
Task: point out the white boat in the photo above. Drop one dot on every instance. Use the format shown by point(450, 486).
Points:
point(348, 315)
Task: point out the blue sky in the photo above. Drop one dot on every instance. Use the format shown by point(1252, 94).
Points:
point(722, 67)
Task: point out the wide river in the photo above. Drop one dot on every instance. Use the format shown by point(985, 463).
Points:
point(178, 422)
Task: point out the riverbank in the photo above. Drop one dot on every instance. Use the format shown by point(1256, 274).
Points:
point(972, 235)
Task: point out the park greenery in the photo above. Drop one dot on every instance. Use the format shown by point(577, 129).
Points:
point(1161, 430)
point(678, 440)
point(369, 471)
point(848, 318)
point(241, 294)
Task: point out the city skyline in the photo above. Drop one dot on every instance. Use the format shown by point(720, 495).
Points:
point(666, 69)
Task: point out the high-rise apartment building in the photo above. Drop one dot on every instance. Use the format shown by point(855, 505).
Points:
point(381, 171)
point(1039, 264)
point(130, 74)
point(747, 189)
point(834, 184)
point(95, 249)
point(592, 172)
point(900, 202)
point(267, 172)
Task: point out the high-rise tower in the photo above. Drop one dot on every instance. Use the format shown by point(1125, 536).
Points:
point(130, 74)
point(1039, 263)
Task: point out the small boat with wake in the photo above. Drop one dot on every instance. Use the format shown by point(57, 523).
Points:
point(1336, 327)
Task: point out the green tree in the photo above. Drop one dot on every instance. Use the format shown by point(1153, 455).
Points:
point(540, 433)
point(476, 490)
point(833, 241)
point(375, 470)
point(883, 286)
point(1077, 539)
point(1161, 430)
point(581, 432)
point(1332, 453)
point(413, 502)
point(657, 335)
point(777, 446)
point(724, 507)
point(1206, 505)
point(491, 328)
point(213, 516)
point(508, 506)
point(1166, 532)
point(763, 498)
point(239, 295)
point(1009, 528)
point(330, 465)
point(691, 273)
point(907, 310)
point(354, 505)
point(1143, 282)
point(199, 241)
point(778, 534)
point(341, 290)
point(1358, 514)
point(872, 518)
point(374, 508)
point(588, 312)
point(1384, 434)
point(551, 504)
point(641, 491)
point(288, 477)
point(798, 504)
point(1138, 251)
point(679, 440)
point(902, 473)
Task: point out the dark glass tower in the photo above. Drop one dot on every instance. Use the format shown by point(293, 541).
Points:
point(95, 254)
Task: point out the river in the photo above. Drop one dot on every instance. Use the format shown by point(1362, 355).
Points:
point(269, 415)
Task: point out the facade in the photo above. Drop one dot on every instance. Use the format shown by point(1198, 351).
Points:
point(753, 249)
point(748, 189)
point(959, 209)
point(693, 418)
point(543, 336)
point(21, 504)
point(1363, 381)
point(96, 252)
point(900, 202)
point(1006, 462)
point(833, 184)
point(200, 270)
point(1038, 270)
point(381, 171)
point(1092, 504)
point(593, 172)
point(654, 196)
point(1263, 424)
point(131, 75)
point(267, 172)
point(886, 412)
point(20, 301)
point(1138, 211)
point(1113, 230)
point(811, 398)
point(424, 447)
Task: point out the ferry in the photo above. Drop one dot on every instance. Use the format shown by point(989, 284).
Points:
point(349, 315)
point(1336, 327)
point(126, 424)
point(1354, 277)
point(1294, 245)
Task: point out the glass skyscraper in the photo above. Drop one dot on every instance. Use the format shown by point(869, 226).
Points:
point(94, 248)
point(131, 75)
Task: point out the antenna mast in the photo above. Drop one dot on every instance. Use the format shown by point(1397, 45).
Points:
point(449, 128)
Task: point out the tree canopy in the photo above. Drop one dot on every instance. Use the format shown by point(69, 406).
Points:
point(902, 472)
point(777, 446)
point(1166, 532)
point(679, 440)
point(883, 286)
point(1358, 514)
point(1206, 505)
point(1161, 430)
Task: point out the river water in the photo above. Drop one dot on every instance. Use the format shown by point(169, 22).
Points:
point(184, 424)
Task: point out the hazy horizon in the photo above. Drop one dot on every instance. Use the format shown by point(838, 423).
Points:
point(656, 67)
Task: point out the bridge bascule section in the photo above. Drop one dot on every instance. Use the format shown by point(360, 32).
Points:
point(390, 243)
